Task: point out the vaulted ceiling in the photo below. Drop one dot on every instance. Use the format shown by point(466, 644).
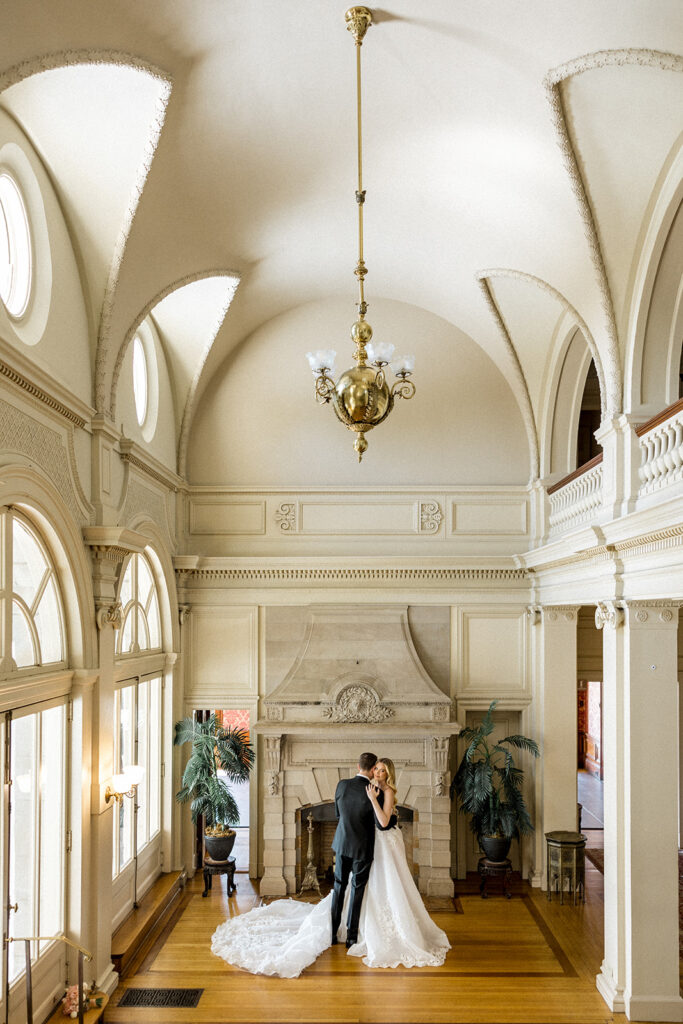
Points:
point(513, 155)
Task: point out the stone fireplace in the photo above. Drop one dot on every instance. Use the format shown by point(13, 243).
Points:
point(356, 684)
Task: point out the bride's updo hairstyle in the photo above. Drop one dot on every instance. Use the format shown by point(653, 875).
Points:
point(391, 771)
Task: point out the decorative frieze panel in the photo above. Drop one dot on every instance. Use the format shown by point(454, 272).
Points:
point(234, 519)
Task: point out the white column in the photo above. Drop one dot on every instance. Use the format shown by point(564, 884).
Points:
point(558, 745)
point(640, 971)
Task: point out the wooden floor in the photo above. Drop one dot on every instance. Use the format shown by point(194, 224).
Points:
point(522, 961)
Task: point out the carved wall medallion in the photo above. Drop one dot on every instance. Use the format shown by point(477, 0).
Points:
point(441, 712)
point(357, 704)
point(274, 712)
point(430, 516)
point(272, 783)
point(285, 517)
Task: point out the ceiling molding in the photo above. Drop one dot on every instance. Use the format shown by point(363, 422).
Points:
point(71, 58)
point(521, 275)
point(200, 275)
point(553, 85)
point(525, 405)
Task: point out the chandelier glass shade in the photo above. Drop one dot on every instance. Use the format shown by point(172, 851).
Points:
point(362, 397)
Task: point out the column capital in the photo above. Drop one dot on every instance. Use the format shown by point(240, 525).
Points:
point(608, 613)
point(558, 614)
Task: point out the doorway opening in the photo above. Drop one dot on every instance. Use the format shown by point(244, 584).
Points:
point(230, 719)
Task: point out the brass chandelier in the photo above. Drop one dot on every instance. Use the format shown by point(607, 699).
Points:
point(362, 397)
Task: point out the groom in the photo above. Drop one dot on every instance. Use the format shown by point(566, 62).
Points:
point(354, 845)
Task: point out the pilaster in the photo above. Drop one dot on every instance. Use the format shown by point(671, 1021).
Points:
point(558, 753)
point(273, 882)
point(640, 971)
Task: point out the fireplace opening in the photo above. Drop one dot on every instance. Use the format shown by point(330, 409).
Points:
point(323, 823)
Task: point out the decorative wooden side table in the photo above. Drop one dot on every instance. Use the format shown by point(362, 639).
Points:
point(494, 869)
point(565, 862)
point(219, 867)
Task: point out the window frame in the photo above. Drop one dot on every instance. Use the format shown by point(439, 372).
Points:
point(20, 313)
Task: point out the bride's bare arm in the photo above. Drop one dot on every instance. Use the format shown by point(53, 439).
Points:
point(383, 814)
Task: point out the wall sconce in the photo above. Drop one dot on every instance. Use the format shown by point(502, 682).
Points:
point(124, 784)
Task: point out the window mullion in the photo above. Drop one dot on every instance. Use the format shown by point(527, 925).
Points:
point(40, 591)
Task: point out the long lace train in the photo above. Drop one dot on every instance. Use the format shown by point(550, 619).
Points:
point(286, 936)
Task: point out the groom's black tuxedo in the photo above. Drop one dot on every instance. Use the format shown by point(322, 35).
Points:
point(354, 845)
point(355, 835)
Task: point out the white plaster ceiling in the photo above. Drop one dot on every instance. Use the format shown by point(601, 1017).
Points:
point(254, 171)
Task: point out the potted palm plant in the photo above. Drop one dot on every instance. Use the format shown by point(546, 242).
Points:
point(489, 785)
point(214, 750)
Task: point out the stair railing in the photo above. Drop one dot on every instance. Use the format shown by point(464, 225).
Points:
point(83, 955)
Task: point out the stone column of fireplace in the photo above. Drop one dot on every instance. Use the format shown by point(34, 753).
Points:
point(273, 882)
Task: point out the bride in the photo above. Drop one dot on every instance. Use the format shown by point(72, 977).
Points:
point(395, 929)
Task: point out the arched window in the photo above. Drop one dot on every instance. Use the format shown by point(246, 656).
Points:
point(15, 248)
point(140, 384)
point(37, 619)
point(140, 629)
point(33, 861)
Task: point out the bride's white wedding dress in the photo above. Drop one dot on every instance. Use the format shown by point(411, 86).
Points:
point(285, 936)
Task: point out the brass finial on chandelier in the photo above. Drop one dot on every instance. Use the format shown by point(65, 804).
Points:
point(361, 397)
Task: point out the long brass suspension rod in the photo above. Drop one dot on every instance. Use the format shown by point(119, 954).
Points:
point(361, 270)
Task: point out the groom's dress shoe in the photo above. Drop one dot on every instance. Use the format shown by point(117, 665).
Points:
point(351, 942)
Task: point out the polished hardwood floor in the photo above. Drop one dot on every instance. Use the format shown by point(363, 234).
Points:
point(517, 961)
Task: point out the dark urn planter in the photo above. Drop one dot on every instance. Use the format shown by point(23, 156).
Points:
point(219, 847)
point(495, 848)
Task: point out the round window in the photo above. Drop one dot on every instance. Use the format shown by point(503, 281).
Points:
point(15, 248)
point(140, 379)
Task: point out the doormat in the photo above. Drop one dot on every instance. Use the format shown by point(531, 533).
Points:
point(185, 998)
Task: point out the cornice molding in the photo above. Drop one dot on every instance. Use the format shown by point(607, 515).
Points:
point(136, 456)
point(351, 575)
point(24, 383)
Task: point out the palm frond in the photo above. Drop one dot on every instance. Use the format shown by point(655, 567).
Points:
point(522, 743)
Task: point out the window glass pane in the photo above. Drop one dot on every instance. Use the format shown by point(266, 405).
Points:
point(139, 379)
point(23, 830)
point(29, 565)
point(154, 756)
point(145, 582)
point(49, 626)
point(143, 632)
point(52, 825)
point(127, 585)
point(126, 643)
point(143, 761)
point(15, 272)
point(23, 650)
point(126, 756)
point(153, 623)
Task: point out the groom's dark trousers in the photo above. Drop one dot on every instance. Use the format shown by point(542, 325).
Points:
point(354, 846)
